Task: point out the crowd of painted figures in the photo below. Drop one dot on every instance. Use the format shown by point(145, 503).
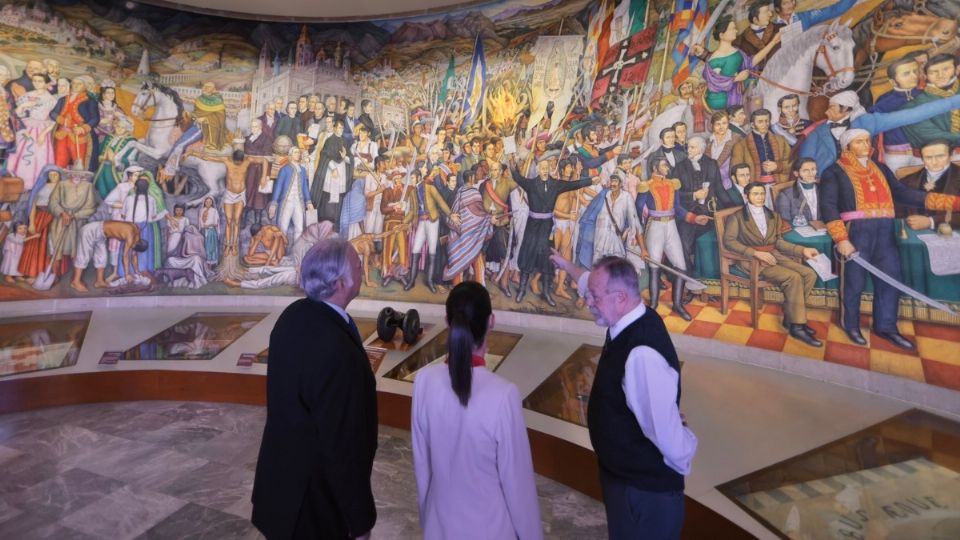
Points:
point(447, 202)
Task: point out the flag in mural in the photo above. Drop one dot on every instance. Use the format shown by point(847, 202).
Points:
point(597, 43)
point(625, 65)
point(689, 18)
point(476, 84)
point(554, 76)
point(447, 80)
point(628, 19)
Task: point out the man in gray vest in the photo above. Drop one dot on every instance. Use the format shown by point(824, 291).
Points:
point(643, 446)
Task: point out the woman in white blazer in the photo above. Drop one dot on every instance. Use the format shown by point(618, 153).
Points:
point(470, 447)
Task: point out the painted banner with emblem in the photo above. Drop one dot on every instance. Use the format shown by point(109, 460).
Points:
point(554, 77)
point(625, 65)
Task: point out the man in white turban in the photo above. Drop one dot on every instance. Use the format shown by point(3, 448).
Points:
point(857, 197)
point(845, 112)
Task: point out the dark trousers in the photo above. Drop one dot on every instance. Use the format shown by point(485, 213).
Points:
point(496, 249)
point(689, 232)
point(632, 513)
point(875, 241)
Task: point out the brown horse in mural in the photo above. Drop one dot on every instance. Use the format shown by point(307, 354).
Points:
point(888, 30)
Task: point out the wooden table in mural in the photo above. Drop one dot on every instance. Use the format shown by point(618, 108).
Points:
point(915, 265)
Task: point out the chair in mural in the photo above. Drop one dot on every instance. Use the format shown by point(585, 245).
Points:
point(790, 70)
point(903, 172)
point(778, 188)
point(729, 274)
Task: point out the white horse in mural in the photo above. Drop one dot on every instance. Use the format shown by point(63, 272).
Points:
point(162, 135)
point(790, 69)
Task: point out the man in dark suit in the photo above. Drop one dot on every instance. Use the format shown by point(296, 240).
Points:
point(938, 175)
point(697, 174)
point(732, 196)
point(316, 457)
point(757, 232)
point(668, 149)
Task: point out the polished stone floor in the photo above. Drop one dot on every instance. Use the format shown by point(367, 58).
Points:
point(162, 469)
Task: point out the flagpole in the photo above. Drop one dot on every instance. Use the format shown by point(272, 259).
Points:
point(646, 14)
point(663, 69)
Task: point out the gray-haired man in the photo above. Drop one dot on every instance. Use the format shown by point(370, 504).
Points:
point(316, 457)
point(643, 446)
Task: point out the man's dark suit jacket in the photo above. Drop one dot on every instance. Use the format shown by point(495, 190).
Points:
point(678, 154)
point(320, 439)
point(692, 180)
point(949, 183)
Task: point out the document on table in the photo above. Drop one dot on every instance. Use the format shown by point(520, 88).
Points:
point(944, 253)
point(821, 264)
point(807, 231)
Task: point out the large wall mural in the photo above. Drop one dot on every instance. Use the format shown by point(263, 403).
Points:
point(780, 171)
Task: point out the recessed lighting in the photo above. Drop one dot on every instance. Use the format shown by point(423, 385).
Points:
point(130, 5)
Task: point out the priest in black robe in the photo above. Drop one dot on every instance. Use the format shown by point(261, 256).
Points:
point(334, 175)
point(542, 192)
point(258, 143)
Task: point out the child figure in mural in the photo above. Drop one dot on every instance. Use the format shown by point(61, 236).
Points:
point(12, 251)
point(210, 225)
point(176, 224)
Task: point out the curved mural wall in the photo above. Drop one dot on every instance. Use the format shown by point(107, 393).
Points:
point(796, 153)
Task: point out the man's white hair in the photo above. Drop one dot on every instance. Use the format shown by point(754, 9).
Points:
point(324, 265)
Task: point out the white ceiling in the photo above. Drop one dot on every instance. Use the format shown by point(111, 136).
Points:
point(315, 9)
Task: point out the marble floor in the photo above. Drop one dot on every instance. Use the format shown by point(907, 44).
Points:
point(163, 469)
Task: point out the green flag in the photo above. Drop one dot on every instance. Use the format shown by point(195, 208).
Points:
point(451, 73)
point(638, 12)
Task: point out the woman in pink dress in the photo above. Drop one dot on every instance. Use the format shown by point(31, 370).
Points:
point(470, 449)
point(34, 149)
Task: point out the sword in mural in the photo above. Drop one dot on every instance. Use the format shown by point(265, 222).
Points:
point(882, 276)
point(695, 284)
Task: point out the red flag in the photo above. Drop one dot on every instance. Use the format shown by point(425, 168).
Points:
point(625, 65)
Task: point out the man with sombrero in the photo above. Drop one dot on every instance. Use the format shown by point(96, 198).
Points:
point(72, 203)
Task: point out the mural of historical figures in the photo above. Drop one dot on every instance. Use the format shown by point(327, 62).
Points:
point(465, 144)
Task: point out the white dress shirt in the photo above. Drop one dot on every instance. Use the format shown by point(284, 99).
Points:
point(811, 196)
point(759, 218)
point(650, 386)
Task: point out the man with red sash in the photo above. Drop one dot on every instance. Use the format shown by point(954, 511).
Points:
point(658, 207)
point(857, 197)
point(75, 114)
point(496, 192)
